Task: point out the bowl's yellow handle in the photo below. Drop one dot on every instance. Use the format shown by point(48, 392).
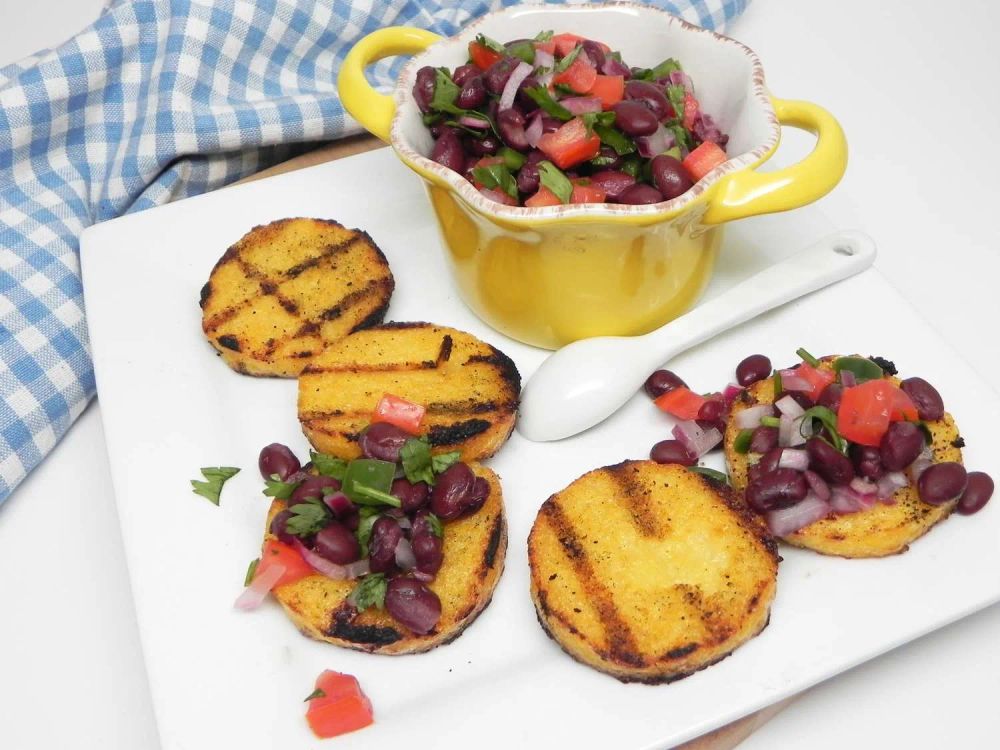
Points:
point(748, 193)
point(374, 110)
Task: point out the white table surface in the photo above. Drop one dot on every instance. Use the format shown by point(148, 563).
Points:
point(916, 93)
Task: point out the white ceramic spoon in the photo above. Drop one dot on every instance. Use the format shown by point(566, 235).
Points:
point(587, 381)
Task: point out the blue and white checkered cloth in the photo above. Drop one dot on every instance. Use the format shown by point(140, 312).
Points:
point(160, 100)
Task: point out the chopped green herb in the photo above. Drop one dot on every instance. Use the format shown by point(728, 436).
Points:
point(593, 119)
point(442, 461)
point(681, 137)
point(523, 50)
point(547, 104)
point(630, 166)
point(370, 496)
point(675, 95)
point(673, 151)
point(829, 422)
point(665, 68)
point(770, 421)
point(928, 435)
point(431, 118)
point(807, 357)
point(602, 161)
point(715, 476)
point(778, 390)
point(367, 472)
point(328, 466)
point(513, 159)
point(496, 176)
point(863, 369)
point(445, 94)
point(569, 59)
point(417, 463)
point(435, 523)
point(279, 489)
point(615, 138)
point(251, 571)
point(742, 442)
point(317, 693)
point(370, 592)
point(369, 516)
point(489, 43)
point(554, 180)
point(544, 36)
point(564, 88)
point(215, 477)
point(307, 518)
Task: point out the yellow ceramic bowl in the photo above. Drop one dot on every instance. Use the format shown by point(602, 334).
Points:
point(549, 276)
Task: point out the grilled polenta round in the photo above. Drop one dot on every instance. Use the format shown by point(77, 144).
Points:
point(650, 572)
point(469, 388)
point(474, 550)
point(282, 292)
point(884, 529)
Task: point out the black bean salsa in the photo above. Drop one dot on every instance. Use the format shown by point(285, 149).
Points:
point(561, 119)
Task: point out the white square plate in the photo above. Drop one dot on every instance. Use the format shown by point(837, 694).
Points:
point(224, 678)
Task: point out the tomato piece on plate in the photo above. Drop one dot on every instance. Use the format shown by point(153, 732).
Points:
point(544, 197)
point(865, 411)
point(339, 705)
point(566, 43)
point(609, 89)
point(703, 160)
point(682, 403)
point(406, 415)
point(482, 56)
point(817, 379)
point(903, 408)
point(579, 76)
point(691, 108)
point(570, 144)
point(279, 553)
point(549, 46)
point(587, 193)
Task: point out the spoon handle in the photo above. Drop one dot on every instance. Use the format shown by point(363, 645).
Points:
point(832, 259)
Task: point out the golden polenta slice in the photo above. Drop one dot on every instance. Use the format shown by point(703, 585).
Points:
point(474, 551)
point(650, 572)
point(469, 388)
point(282, 292)
point(884, 529)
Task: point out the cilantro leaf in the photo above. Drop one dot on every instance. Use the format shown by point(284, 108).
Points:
point(369, 592)
point(445, 94)
point(307, 518)
point(569, 59)
point(522, 50)
point(675, 94)
point(328, 466)
point(547, 104)
point(251, 571)
point(593, 119)
point(370, 496)
point(435, 523)
point(489, 43)
point(715, 476)
point(317, 693)
point(681, 137)
point(215, 477)
point(277, 488)
point(829, 422)
point(496, 176)
point(555, 181)
point(417, 463)
point(442, 461)
point(544, 36)
point(364, 532)
point(615, 138)
point(665, 68)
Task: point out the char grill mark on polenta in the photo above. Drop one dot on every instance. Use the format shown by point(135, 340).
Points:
point(470, 389)
point(637, 499)
point(286, 289)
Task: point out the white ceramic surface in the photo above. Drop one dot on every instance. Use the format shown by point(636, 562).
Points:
point(585, 382)
point(227, 679)
point(728, 77)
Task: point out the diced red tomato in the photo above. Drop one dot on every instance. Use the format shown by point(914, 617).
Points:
point(570, 144)
point(544, 197)
point(682, 403)
point(549, 46)
point(579, 76)
point(902, 407)
point(499, 196)
point(406, 415)
point(817, 379)
point(865, 412)
point(276, 552)
point(584, 192)
point(703, 160)
point(482, 56)
point(609, 89)
point(342, 707)
point(691, 107)
point(566, 43)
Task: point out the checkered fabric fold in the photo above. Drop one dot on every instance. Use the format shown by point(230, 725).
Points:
point(160, 100)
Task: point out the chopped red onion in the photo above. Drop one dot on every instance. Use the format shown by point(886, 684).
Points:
point(920, 464)
point(358, 568)
point(888, 484)
point(789, 406)
point(339, 503)
point(848, 379)
point(695, 440)
point(792, 382)
point(790, 431)
point(517, 76)
point(749, 419)
point(789, 520)
point(864, 487)
point(259, 587)
point(844, 501)
point(581, 105)
point(611, 67)
point(319, 563)
point(680, 78)
point(655, 143)
point(404, 523)
point(405, 558)
point(544, 59)
point(471, 121)
point(730, 393)
point(818, 485)
point(793, 459)
point(533, 132)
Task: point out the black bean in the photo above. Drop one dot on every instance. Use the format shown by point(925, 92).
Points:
point(978, 491)
point(428, 549)
point(753, 368)
point(780, 488)
point(661, 382)
point(764, 439)
point(448, 151)
point(830, 397)
point(612, 183)
point(337, 544)
point(413, 604)
point(669, 176)
point(463, 73)
point(868, 462)
point(901, 445)
point(485, 146)
point(277, 459)
point(412, 495)
point(472, 94)
point(640, 194)
point(925, 397)
point(386, 533)
point(595, 52)
point(828, 462)
point(672, 452)
point(424, 86)
point(497, 74)
point(383, 441)
point(651, 96)
point(635, 119)
point(510, 123)
point(448, 498)
point(942, 483)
